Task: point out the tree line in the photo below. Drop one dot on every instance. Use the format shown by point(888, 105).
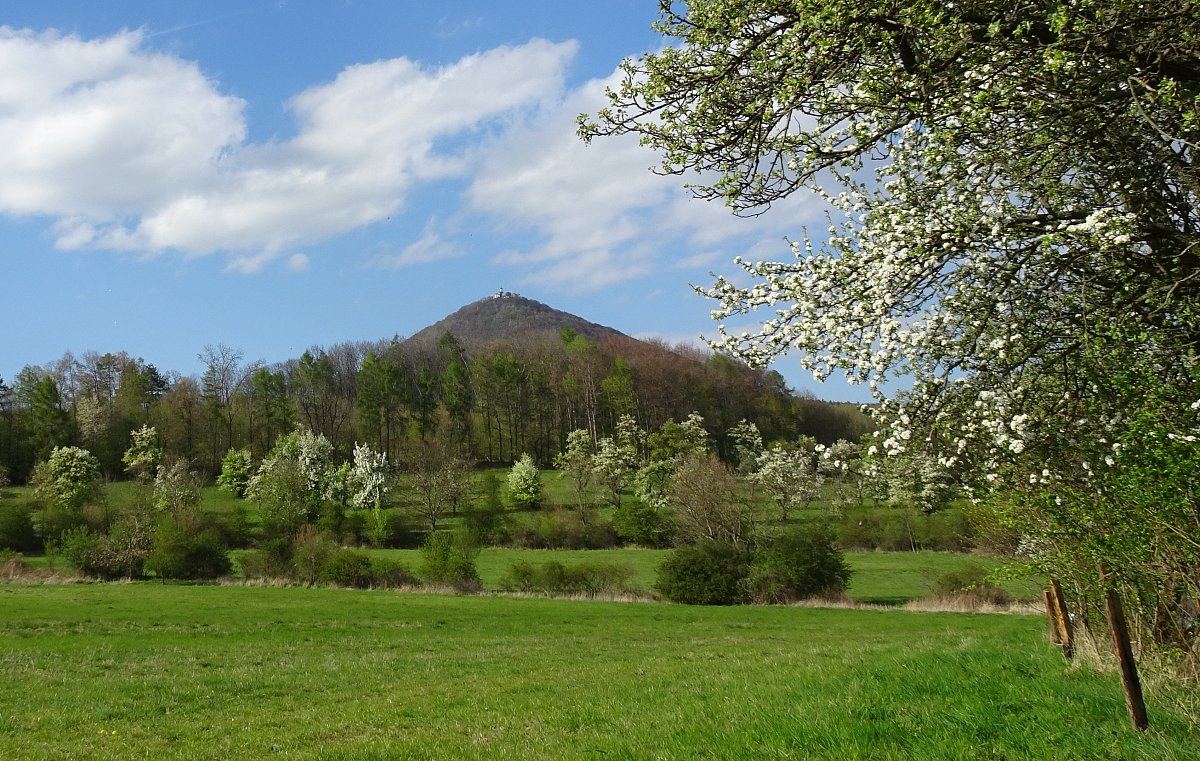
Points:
point(487, 404)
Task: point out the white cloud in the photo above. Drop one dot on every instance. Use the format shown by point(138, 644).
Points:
point(599, 215)
point(98, 129)
point(434, 245)
point(297, 262)
point(139, 151)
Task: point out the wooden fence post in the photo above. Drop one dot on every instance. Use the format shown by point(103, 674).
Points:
point(1049, 600)
point(1120, 637)
point(1063, 618)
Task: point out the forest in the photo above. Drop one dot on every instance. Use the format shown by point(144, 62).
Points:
point(490, 400)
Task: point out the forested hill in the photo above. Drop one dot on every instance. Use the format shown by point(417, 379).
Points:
point(500, 377)
point(508, 315)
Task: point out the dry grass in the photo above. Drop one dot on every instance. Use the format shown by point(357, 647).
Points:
point(14, 570)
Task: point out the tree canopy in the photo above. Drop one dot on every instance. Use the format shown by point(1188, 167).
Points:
point(1013, 226)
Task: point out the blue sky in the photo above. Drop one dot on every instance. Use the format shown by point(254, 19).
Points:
point(277, 175)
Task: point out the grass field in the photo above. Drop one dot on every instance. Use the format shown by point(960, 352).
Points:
point(133, 671)
point(886, 578)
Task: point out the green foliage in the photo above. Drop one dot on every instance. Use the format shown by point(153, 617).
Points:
point(16, 529)
point(575, 462)
point(347, 568)
point(237, 468)
point(556, 578)
point(188, 545)
point(899, 529)
point(707, 573)
point(644, 525)
point(449, 558)
point(798, 563)
point(564, 529)
point(121, 553)
point(969, 584)
point(488, 522)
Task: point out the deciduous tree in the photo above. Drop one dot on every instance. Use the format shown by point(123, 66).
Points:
point(1016, 225)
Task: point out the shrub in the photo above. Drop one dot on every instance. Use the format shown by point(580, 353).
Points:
point(237, 468)
point(488, 523)
point(801, 562)
point(381, 528)
point(387, 572)
point(574, 531)
point(311, 549)
point(566, 530)
point(970, 586)
point(188, 546)
point(449, 558)
point(234, 526)
point(707, 573)
point(347, 568)
point(904, 529)
point(16, 529)
point(555, 578)
point(86, 551)
point(642, 524)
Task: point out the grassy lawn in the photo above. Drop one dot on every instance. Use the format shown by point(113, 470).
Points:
point(126, 671)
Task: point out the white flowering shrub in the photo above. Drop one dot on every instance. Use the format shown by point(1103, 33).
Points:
point(69, 477)
point(368, 478)
point(293, 481)
point(525, 482)
point(144, 455)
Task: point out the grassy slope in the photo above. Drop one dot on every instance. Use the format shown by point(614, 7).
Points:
point(145, 671)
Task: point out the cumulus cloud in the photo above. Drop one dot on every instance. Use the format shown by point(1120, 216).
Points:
point(133, 150)
point(97, 129)
point(599, 215)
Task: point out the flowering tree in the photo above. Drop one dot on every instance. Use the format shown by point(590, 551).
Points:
point(617, 458)
point(576, 462)
point(176, 488)
point(525, 482)
point(1015, 226)
point(368, 478)
point(237, 469)
point(144, 454)
point(788, 478)
point(293, 480)
point(747, 446)
point(68, 478)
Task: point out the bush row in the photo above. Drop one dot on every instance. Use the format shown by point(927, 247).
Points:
point(799, 563)
point(556, 578)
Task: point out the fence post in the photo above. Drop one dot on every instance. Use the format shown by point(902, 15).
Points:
point(1064, 619)
point(1049, 600)
point(1120, 637)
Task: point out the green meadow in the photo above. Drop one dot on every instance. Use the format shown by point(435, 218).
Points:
point(133, 671)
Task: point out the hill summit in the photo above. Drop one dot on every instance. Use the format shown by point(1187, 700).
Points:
point(508, 315)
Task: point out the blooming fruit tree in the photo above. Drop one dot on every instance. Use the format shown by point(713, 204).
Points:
point(1014, 226)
